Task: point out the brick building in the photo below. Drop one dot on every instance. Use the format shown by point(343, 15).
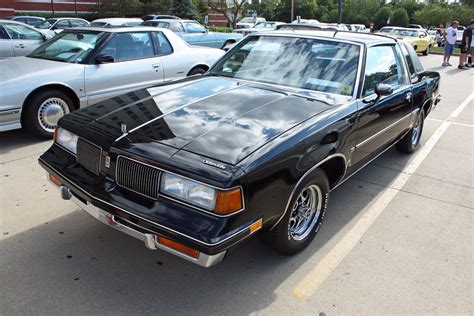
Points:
point(10, 7)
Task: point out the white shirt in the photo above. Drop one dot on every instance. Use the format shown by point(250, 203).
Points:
point(472, 39)
point(451, 35)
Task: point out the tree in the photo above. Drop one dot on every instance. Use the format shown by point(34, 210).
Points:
point(231, 9)
point(382, 17)
point(183, 8)
point(399, 17)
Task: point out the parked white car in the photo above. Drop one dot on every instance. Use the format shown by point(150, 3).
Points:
point(56, 25)
point(117, 22)
point(259, 27)
point(19, 39)
point(82, 66)
point(249, 22)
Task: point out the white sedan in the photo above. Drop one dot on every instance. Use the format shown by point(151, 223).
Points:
point(83, 66)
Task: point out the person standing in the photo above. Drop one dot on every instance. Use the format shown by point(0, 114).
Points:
point(450, 35)
point(465, 46)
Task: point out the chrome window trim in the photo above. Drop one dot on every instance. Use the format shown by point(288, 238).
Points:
point(210, 212)
point(293, 191)
point(150, 221)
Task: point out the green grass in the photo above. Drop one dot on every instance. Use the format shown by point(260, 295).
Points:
point(441, 50)
point(221, 29)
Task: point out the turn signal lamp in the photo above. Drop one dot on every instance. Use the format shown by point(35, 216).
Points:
point(178, 247)
point(228, 202)
point(55, 180)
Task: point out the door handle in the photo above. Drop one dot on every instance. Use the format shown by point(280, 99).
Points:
point(408, 96)
point(20, 46)
point(156, 66)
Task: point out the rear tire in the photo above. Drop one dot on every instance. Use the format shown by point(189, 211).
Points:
point(427, 51)
point(43, 111)
point(304, 216)
point(409, 143)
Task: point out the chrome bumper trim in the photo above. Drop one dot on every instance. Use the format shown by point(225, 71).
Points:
point(148, 239)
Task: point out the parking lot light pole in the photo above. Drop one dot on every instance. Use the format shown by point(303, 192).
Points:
point(292, 10)
point(339, 13)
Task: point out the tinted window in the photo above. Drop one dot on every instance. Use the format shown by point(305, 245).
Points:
point(20, 32)
point(417, 66)
point(46, 24)
point(78, 23)
point(381, 67)
point(63, 24)
point(312, 64)
point(3, 33)
point(164, 45)
point(33, 21)
point(126, 46)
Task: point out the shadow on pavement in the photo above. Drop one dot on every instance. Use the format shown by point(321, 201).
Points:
point(16, 139)
point(109, 273)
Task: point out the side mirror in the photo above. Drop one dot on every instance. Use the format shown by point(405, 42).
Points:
point(104, 59)
point(383, 89)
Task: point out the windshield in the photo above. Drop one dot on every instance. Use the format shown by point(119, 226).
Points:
point(264, 25)
point(385, 30)
point(408, 33)
point(45, 24)
point(247, 20)
point(71, 47)
point(314, 64)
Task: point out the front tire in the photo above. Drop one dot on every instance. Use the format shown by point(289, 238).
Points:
point(409, 143)
point(304, 216)
point(43, 111)
point(427, 51)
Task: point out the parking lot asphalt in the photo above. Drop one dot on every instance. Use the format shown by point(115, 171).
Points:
point(398, 238)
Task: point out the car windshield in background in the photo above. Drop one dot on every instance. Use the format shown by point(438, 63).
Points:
point(408, 33)
point(45, 24)
point(312, 64)
point(164, 25)
point(263, 25)
point(247, 20)
point(71, 47)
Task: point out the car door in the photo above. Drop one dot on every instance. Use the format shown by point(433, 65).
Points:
point(196, 34)
point(23, 38)
point(175, 65)
point(135, 65)
point(382, 119)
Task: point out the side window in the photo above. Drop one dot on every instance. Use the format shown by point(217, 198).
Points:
point(78, 23)
point(381, 67)
point(63, 24)
point(3, 34)
point(418, 67)
point(164, 45)
point(411, 67)
point(22, 32)
point(192, 27)
point(127, 46)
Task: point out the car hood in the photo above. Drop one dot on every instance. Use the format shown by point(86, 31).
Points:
point(215, 117)
point(18, 69)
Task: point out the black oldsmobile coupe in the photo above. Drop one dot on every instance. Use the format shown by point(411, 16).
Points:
point(196, 166)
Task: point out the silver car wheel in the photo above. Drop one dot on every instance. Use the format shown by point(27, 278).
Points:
point(50, 111)
point(415, 137)
point(305, 212)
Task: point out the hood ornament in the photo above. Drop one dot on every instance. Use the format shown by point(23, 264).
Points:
point(123, 128)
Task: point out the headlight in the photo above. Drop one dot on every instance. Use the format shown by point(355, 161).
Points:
point(201, 195)
point(66, 139)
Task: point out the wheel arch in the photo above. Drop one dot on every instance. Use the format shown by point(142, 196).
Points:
point(201, 65)
point(334, 165)
point(54, 86)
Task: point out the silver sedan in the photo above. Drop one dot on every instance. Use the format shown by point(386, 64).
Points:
point(19, 39)
point(82, 66)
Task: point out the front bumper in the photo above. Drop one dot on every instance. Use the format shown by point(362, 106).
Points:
point(109, 208)
point(149, 239)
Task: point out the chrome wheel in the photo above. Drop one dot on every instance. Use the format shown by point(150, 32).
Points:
point(305, 212)
point(415, 137)
point(50, 111)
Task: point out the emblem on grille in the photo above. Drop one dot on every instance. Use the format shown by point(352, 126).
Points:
point(214, 164)
point(123, 128)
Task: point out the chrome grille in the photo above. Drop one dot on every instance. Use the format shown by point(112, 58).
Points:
point(88, 155)
point(137, 177)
